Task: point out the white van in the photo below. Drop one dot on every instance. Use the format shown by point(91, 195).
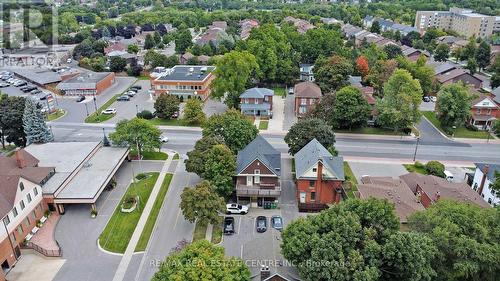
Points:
point(448, 176)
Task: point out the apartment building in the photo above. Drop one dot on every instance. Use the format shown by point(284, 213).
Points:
point(463, 21)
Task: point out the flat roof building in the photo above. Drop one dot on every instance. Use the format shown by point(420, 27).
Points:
point(186, 81)
point(88, 84)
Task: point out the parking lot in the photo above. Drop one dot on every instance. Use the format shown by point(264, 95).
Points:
point(141, 101)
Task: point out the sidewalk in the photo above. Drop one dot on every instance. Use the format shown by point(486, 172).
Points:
point(127, 256)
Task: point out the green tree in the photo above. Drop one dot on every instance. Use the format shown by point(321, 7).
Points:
point(196, 157)
point(495, 184)
point(11, 120)
point(472, 66)
point(232, 76)
point(133, 49)
point(320, 42)
point(196, 262)
point(201, 204)
point(466, 237)
point(117, 64)
point(442, 52)
point(375, 28)
point(166, 105)
point(183, 40)
point(149, 42)
point(399, 108)
point(233, 127)
point(380, 74)
point(137, 133)
point(351, 110)
point(157, 38)
point(483, 55)
point(453, 105)
point(435, 168)
point(220, 165)
point(305, 130)
point(193, 112)
point(332, 73)
point(393, 51)
point(495, 69)
point(34, 125)
point(469, 51)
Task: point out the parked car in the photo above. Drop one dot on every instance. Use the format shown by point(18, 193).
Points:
point(261, 224)
point(290, 91)
point(228, 226)
point(236, 209)
point(426, 99)
point(21, 83)
point(163, 138)
point(80, 98)
point(136, 87)
point(433, 99)
point(123, 98)
point(130, 93)
point(133, 90)
point(44, 96)
point(28, 88)
point(69, 60)
point(175, 115)
point(36, 92)
point(3, 85)
point(109, 111)
point(277, 223)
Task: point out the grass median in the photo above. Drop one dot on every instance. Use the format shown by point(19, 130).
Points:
point(150, 223)
point(56, 115)
point(150, 155)
point(349, 177)
point(460, 132)
point(121, 226)
point(97, 117)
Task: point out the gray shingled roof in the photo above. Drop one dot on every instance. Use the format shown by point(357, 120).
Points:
point(260, 149)
point(313, 152)
point(257, 93)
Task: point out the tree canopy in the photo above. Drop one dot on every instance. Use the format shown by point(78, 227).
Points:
point(453, 105)
point(202, 204)
point(166, 105)
point(136, 133)
point(11, 120)
point(305, 130)
point(351, 110)
point(332, 73)
point(34, 125)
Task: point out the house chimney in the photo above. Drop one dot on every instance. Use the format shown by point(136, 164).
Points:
point(419, 196)
point(21, 163)
point(319, 180)
point(264, 272)
point(485, 171)
point(437, 196)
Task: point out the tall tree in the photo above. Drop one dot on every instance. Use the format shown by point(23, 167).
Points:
point(137, 133)
point(149, 42)
point(193, 112)
point(305, 130)
point(495, 69)
point(469, 51)
point(399, 108)
point(453, 105)
point(375, 28)
point(380, 74)
point(483, 55)
point(183, 40)
point(34, 124)
point(132, 49)
point(442, 52)
point(233, 127)
point(202, 204)
point(351, 110)
point(233, 75)
point(201, 260)
point(197, 157)
point(320, 42)
point(362, 66)
point(166, 105)
point(11, 120)
point(393, 51)
point(472, 66)
point(466, 237)
point(117, 64)
point(332, 73)
point(220, 164)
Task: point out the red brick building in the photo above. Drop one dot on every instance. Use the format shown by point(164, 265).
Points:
point(484, 112)
point(319, 177)
point(186, 81)
point(88, 84)
point(307, 94)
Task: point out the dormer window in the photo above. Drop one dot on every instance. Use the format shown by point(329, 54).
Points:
point(21, 186)
point(314, 170)
point(256, 171)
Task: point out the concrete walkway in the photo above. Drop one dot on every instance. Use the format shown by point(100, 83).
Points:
point(208, 234)
point(276, 123)
point(127, 256)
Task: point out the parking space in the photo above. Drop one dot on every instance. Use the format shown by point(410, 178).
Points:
point(427, 106)
point(361, 169)
point(141, 101)
point(459, 173)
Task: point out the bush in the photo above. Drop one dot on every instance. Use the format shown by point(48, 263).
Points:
point(145, 114)
point(435, 168)
point(418, 164)
point(141, 176)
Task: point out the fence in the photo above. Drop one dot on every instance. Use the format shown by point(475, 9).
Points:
point(47, 253)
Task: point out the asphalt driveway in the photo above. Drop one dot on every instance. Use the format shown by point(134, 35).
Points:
point(361, 169)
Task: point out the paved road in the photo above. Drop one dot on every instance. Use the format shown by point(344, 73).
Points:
point(430, 135)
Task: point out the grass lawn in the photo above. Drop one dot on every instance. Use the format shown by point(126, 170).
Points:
point(199, 232)
point(176, 156)
point(121, 226)
point(150, 223)
point(7, 148)
point(216, 234)
point(460, 132)
point(416, 168)
point(263, 124)
point(56, 115)
point(97, 117)
point(150, 155)
point(169, 122)
point(349, 176)
point(370, 131)
point(279, 91)
point(143, 77)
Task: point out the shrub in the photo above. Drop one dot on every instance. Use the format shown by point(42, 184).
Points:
point(418, 164)
point(141, 176)
point(435, 168)
point(145, 114)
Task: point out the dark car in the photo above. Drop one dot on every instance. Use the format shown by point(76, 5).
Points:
point(136, 87)
point(277, 222)
point(123, 98)
point(228, 226)
point(261, 224)
point(44, 96)
point(28, 89)
point(36, 92)
point(20, 84)
point(80, 98)
point(133, 89)
point(426, 99)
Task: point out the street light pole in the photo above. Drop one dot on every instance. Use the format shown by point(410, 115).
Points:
point(136, 109)
point(416, 147)
point(95, 104)
point(86, 109)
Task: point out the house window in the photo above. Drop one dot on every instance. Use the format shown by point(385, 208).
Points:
point(35, 191)
point(21, 186)
point(20, 230)
point(246, 100)
point(28, 197)
point(302, 109)
point(33, 215)
point(27, 222)
point(256, 101)
point(489, 111)
point(478, 111)
point(14, 211)
point(303, 101)
point(313, 196)
point(312, 183)
point(256, 171)
point(475, 186)
point(489, 201)
point(314, 170)
point(266, 98)
point(22, 204)
point(6, 220)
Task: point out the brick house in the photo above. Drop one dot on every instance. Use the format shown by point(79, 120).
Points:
point(459, 74)
point(88, 84)
point(258, 171)
point(319, 177)
point(21, 203)
point(307, 94)
point(257, 102)
point(186, 81)
point(484, 112)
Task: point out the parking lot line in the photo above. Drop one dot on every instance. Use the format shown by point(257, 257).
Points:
point(239, 224)
point(241, 252)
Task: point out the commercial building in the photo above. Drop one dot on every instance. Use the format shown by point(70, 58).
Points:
point(257, 102)
point(319, 177)
point(463, 21)
point(186, 81)
point(88, 84)
point(258, 171)
point(484, 176)
point(38, 76)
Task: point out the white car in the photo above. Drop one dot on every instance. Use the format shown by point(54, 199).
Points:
point(163, 138)
point(233, 208)
point(433, 99)
point(109, 111)
point(69, 60)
